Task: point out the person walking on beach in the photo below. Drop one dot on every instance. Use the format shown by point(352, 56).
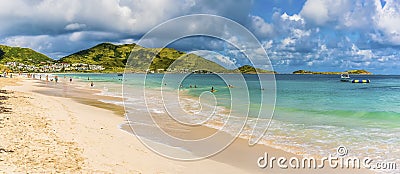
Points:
point(56, 78)
point(47, 78)
point(40, 77)
point(91, 84)
point(70, 79)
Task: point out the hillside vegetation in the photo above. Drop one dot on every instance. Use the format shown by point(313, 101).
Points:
point(247, 69)
point(114, 57)
point(21, 55)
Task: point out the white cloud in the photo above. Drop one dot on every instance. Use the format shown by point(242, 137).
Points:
point(294, 17)
point(75, 26)
point(260, 27)
point(387, 20)
point(268, 44)
point(320, 12)
point(366, 54)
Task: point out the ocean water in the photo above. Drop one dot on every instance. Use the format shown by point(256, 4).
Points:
point(314, 114)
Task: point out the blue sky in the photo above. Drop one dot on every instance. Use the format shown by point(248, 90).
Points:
point(318, 35)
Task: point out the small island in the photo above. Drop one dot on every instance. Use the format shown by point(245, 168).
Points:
point(364, 72)
point(247, 69)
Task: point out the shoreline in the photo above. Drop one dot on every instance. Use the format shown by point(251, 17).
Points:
point(237, 158)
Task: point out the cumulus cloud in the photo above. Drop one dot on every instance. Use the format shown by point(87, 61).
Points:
point(260, 27)
point(104, 20)
point(320, 34)
point(334, 35)
point(320, 12)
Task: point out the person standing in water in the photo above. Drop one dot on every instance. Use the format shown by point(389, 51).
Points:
point(212, 89)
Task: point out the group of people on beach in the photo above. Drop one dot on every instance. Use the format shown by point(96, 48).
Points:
point(5, 74)
point(54, 78)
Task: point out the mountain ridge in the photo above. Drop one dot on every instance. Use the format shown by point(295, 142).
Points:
point(22, 55)
point(114, 58)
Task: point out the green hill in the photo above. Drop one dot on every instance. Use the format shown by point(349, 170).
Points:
point(247, 69)
point(192, 62)
point(114, 57)
point(21, 55)
point(106, 54)
point(361, 71)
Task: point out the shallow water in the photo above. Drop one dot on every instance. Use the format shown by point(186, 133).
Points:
point(314, 114)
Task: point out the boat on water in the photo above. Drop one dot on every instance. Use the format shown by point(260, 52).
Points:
point(345, 77)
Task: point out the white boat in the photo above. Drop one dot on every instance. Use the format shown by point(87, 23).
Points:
point(344, 77)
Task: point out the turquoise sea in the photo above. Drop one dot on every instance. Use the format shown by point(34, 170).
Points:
point(314, 114)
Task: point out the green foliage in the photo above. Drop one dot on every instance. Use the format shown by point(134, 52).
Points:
point(2, 68)
point(192, 62)
point(106, 54)
point(361, 71)
point(247, 69)
point(114, 57)
point(302, 72)
point(21, 55)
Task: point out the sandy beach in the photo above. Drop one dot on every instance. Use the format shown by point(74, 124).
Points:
point(61, 129)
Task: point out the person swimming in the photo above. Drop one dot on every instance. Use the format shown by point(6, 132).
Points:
point(212, 89)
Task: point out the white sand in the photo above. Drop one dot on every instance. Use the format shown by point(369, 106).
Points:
point(69, 137)
point(105, 148)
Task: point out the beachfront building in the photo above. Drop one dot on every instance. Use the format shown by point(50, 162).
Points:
point(52, 67)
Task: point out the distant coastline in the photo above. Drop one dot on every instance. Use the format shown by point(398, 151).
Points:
point(360, 72)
